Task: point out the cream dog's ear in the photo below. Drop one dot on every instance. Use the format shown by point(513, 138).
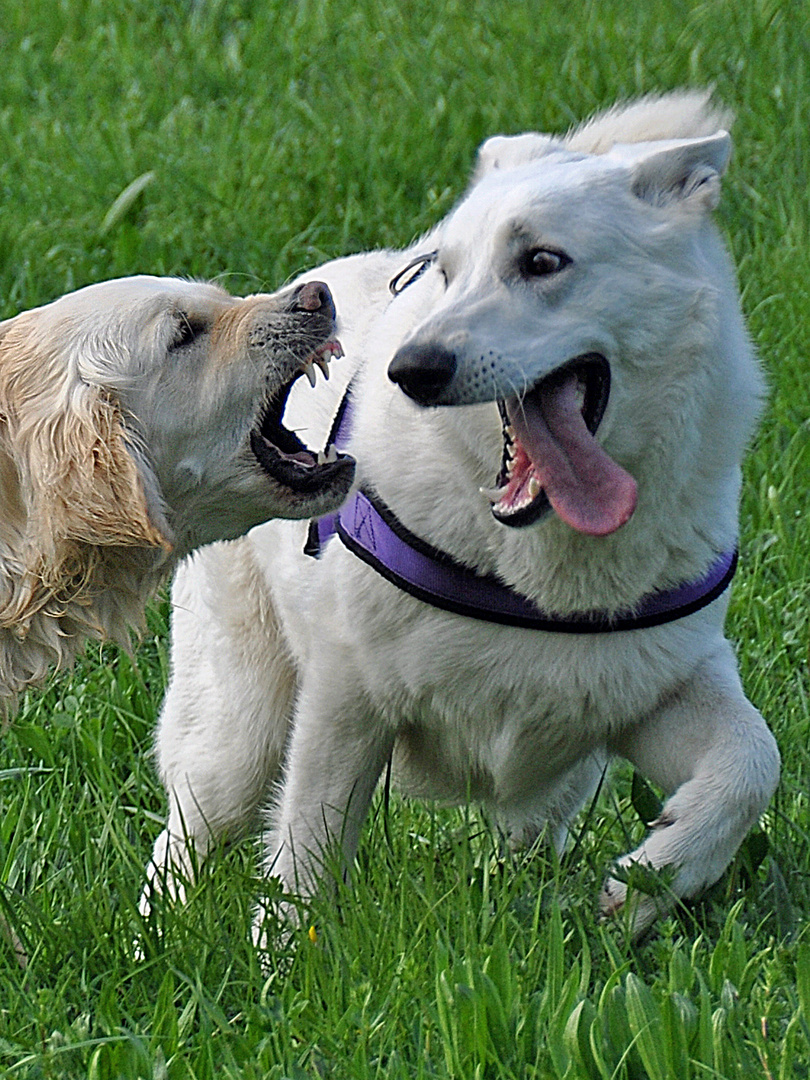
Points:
point(73, 508)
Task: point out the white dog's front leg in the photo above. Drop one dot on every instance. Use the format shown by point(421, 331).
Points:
point(223, 726)
point(712, 752)
point(337, 752)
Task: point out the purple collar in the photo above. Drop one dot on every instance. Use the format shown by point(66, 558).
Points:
point(367, 527)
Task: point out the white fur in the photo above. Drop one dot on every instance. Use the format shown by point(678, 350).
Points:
point(122, 448)
point(269, 644)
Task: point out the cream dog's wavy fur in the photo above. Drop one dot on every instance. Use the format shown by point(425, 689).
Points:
point(125, 414)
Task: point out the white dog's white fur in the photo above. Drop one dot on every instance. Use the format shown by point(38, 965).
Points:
point(126, 412)
point(324, 666)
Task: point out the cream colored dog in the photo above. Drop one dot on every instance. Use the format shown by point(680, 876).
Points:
point(581, 284)
point(140, 418)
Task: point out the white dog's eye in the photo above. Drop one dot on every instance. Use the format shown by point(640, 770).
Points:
point(538, 262)
point(187, 330)
point(411, 273)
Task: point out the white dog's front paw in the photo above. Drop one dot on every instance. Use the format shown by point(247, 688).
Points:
point(277, 931)
point(639, 894)
point(642, 910)
point(612, 897)
point(170, 873)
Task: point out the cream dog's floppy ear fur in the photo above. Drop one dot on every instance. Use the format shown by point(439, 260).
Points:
point(79, 551)
point(140, 418)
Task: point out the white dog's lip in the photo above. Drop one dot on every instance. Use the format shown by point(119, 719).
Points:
point(279, 451)
point(552, 461)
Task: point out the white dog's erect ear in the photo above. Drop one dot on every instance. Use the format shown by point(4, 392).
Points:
point(683, 114)
point(678, 170)
point(510, 151)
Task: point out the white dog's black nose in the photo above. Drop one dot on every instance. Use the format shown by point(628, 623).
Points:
point(424, 372)
point(313, 296)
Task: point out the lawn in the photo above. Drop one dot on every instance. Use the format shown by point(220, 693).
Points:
point(245, 141)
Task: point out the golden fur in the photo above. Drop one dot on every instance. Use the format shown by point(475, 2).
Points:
point(119, 440)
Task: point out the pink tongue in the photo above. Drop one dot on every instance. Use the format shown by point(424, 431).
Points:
point(587, 489)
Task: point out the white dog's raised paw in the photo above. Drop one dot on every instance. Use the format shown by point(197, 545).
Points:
point(612, 897)
point(639, 896)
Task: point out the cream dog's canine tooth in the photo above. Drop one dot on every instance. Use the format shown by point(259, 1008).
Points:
point(332, 454)
point(493, 494)
point(534, 487)
point(323, 364)
point(309, 371)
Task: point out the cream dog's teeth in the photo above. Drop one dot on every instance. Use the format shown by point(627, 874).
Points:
point(493, 494)
point(534, 487)
point(309, 371)
point(331, 454)
point(320, 458)
point(330, 349)
point(323, 364)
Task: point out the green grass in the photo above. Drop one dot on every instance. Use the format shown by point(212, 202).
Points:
point(246, 141)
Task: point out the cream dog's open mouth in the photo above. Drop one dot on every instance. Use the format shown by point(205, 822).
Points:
point(281, 453)
point(551, 459)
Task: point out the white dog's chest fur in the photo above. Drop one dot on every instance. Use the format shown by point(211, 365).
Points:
point(484, 712)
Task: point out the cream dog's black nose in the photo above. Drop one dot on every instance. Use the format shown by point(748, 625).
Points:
point(423, 371)
point(314, 296)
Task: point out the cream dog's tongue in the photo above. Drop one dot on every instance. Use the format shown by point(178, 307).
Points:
point(586, 487)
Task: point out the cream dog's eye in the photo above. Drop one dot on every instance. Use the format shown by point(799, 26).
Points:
point(539, 262)
point(188, 329)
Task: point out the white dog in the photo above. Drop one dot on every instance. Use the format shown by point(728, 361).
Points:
point(501, 645)
point(139, 418)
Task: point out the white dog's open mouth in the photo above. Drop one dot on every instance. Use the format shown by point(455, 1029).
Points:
point(281, 453)
point(551, 459)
